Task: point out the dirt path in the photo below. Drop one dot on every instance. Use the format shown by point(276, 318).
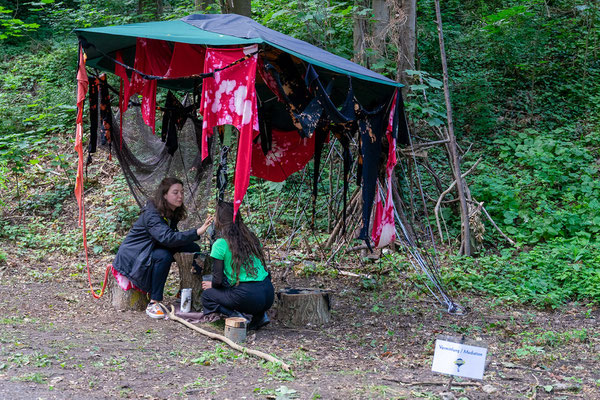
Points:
point(57, 342)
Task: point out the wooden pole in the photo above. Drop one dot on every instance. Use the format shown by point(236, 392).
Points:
point(464, 211)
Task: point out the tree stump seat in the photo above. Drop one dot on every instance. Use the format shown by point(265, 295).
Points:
point(302, 307)
point(137, 301)
point(126, 300)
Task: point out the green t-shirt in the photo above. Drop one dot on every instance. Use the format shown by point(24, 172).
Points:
point(220, 251)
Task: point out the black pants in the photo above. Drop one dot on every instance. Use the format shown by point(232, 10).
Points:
point(247, 297)
point(162, 258)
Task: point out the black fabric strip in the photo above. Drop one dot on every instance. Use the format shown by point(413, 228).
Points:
point(321, 134)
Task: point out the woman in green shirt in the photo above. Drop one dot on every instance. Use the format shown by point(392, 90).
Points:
point(240, 283)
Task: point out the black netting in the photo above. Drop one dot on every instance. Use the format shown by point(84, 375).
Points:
point(145, 160)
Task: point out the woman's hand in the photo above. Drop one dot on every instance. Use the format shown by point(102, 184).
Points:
point(200, 231)
point(206, 285)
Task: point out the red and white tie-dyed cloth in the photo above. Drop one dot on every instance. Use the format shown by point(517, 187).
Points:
point(384, 229)
point(229, 98)
point(289, 153)
point(123, 282)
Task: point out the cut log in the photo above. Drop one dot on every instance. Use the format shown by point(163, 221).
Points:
point(299, 308)
point(188, 279)
point(235, 329)
point(127, 300)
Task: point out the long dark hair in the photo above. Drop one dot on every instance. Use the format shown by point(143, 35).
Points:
point(242, 242)
point(180, 213)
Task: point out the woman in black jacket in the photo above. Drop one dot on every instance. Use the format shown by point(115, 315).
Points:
point(146, 254)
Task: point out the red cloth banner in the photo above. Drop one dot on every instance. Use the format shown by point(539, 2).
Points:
point(187, 60)
point(289, 153)
point(152, 57)
point(82, 88)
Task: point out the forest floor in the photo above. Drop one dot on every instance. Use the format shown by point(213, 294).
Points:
point(57, 342)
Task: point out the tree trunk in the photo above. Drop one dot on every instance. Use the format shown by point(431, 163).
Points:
point(407, 34)
point(240, 7)
point(381, 21)
point(361, 30)
point(190, 280)
point(464, 211)
point(130, 300)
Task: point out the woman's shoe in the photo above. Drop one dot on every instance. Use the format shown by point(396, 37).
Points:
point(258, 321)
point(154, 311)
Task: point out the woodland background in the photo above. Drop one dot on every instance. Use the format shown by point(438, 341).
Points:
point(525, 90)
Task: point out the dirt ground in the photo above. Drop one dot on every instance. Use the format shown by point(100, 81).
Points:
point(57, 342)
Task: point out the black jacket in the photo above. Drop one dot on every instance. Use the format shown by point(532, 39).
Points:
point(134, 258)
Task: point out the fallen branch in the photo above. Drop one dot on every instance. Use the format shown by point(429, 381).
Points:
point(355, 275)
point(430, 383)
point(229, 342)
point(497, 228)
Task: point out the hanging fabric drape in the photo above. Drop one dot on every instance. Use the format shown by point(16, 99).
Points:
point(229, 98)
point(384, 230)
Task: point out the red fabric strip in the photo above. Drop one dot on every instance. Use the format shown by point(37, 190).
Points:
point(289, 153)
point(384, 228)
point(187, 60)
point(152, 57)
point(229, 98)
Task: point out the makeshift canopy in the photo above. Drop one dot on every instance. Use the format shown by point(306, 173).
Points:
point(284, 96)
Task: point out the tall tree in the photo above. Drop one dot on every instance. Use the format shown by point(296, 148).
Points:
point(406, 41)
point(361, 31)
point(378, 23)
point(380, 28)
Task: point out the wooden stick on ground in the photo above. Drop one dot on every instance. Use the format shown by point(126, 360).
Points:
point(229, 342)
point(429, 383)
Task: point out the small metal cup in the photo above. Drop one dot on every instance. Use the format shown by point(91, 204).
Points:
point(206, 278)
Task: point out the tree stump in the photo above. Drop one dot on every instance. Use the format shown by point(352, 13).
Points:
point(303, 307)
point(189, 279)
point(127, 300)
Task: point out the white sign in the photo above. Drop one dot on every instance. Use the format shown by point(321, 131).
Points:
point(459, 359)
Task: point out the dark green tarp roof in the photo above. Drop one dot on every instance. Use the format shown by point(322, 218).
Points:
point(215, 30)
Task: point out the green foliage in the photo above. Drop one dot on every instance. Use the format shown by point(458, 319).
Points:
point(424, 99)
point(328, 26)
point(515, 62)
point(556, 339)
point(548, 275)
point(545, 187)
point(220, 355)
